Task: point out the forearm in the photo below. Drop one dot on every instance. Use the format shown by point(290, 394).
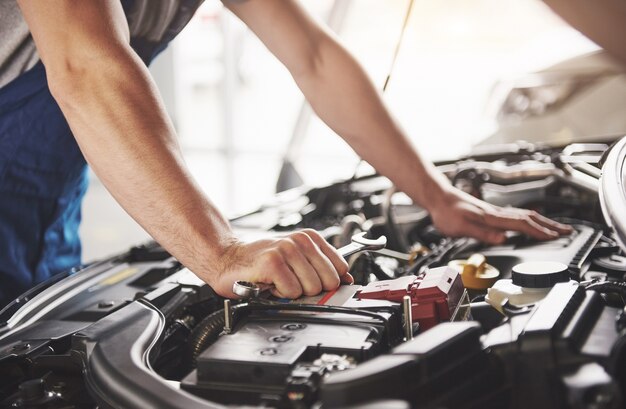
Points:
point(602, 21)
point(344, 97)
point(115, 113)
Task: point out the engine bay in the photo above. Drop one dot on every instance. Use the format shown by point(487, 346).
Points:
point(430, 322)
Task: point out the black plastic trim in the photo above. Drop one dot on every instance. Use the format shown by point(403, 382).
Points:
point(115, 353)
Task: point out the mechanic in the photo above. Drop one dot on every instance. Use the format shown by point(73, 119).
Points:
point(79, 89)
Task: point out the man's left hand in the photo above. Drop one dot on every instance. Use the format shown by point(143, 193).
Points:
point(460, 214)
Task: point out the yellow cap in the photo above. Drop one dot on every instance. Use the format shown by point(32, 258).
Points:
point(475, 272)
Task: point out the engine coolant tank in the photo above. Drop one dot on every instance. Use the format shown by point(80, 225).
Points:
point(530, 283)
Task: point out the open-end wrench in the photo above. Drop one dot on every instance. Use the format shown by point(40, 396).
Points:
point(360, 243)
point(246, 289)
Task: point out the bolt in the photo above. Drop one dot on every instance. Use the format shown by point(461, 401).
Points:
point(21, 347)
point(293, 327)
point(106, 304)
point(269, 351)
point(281, 338)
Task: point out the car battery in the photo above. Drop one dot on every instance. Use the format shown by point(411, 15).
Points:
point(437, 295)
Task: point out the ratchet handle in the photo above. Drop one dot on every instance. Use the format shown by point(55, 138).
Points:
point(246, 289)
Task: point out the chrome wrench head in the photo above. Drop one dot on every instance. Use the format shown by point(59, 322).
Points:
point(360, 243)
point(369, 244)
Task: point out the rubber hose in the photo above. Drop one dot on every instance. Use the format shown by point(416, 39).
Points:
point(608, 286)
point(204, 334)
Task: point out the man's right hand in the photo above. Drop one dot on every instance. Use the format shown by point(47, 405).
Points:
point(301, 263)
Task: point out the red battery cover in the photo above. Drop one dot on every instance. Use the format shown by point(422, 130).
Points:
point(434, 295)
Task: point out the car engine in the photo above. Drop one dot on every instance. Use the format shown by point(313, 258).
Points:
point(431, 321)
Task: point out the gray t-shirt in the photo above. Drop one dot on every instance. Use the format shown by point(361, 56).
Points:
point(151, 22)
point(17, 49)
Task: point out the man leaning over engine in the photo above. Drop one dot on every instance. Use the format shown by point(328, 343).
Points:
point(91, 98)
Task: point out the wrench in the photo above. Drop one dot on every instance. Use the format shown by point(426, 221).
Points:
point(360, 243)
point(246, 289)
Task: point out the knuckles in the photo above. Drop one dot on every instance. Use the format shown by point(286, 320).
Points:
point(273, 259)
point(303, 241)
point(288, 247)
point(526, 219)
point(311, 233)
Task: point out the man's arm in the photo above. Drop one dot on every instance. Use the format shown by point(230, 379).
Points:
point(343, 96)
point(118, 120)
point(603, 21)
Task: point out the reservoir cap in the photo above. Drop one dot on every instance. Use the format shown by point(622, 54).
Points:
point(539, 274)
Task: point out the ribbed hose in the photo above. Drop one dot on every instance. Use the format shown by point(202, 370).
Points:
point(608, 287)
point(205, 333)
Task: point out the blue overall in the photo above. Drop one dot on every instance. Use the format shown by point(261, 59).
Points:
point(43, 175)
point(42, 182)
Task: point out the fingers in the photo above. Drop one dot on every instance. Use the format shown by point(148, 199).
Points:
point(325, 269)
point(301, 263)
point(347, 279)
point(525, 221)
point(551, 224)
point(340, 265)
point(286, 284)
point(312, 261)
point(308, 276)
point(329, 251)
point(518, 221)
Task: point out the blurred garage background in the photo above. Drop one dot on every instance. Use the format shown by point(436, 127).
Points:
point(236, 108)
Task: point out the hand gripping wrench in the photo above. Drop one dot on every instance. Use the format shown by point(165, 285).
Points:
point(246, 289)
